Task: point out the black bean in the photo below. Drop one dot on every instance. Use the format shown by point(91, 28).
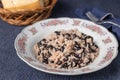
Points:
point(39, 52)
point(79, 37)
point(87, 63)
point(93, 48)
point(67, 34)
point(79, 66)
point(58, 45)
point(95, 45)
point(82, 37)
point(68, 55)
point(56, 42)
point(75, 61)
point(45, 60)
point(74, 36)
point(39, 44)
point(44, 45)
point(77, 47)
point(83, 34)
point(64, 45)
point(83, 49)
point(43, 55)
point(50, 46)
point(84, 52)
point(68, 38)
point(49, 54)
point(62, 48)
point(76, 43)
point(86, 43)
point(71, 53)
point(90, 60)
point(43, 48)
point(57, 49)
point(57, 32)
point(78, 56)
point(79, 63)
point(51, 61)
point(88, 48)
point(63, 35)
point(89, 37)
point(65, 59)
point(73, 64)
point(59, 62)
point(65, 65)
point(43, 40)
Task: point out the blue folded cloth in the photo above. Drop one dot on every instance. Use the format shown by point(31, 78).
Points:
point(103, 16)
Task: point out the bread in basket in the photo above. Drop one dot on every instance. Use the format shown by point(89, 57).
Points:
point(26, 17)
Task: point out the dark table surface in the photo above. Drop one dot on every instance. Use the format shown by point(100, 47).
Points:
point(12, 68)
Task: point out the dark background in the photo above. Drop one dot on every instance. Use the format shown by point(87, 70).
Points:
point(12, 68)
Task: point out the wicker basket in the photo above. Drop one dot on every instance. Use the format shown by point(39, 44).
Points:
point(22, 18)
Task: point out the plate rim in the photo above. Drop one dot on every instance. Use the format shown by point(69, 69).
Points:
point(15, 41)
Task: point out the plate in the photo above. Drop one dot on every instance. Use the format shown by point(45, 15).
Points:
point(30, 35)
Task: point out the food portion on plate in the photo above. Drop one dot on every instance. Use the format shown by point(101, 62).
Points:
point(66, 49)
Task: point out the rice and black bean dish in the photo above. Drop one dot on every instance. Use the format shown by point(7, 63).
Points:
point(66, 49)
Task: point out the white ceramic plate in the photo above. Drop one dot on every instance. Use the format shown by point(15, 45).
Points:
point(32, 34)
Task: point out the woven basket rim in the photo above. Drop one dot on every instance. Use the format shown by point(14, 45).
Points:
point(26, 17)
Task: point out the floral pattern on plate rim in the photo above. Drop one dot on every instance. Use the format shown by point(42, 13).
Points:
point(108, 56)
point(98, 30)
point(21, 43)
point(33, 30)
point(53, 23)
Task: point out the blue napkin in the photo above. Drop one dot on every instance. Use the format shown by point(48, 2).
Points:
point(103, 16)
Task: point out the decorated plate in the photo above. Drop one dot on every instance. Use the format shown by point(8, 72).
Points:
point(30, 35)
